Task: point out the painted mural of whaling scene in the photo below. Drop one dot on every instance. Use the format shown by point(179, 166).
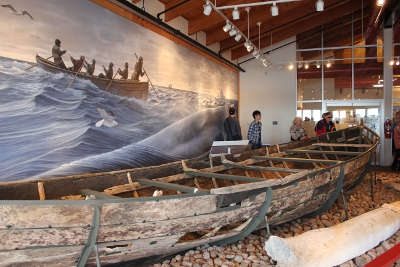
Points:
point(84, 109)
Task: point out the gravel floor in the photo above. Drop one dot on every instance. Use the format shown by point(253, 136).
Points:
point(249, 251)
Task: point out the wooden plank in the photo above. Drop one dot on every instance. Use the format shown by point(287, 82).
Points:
point(11, 239)
point(157, 209)
point(45, 216)
point(226, 176)
point(98, 195)
point(323, 152)
point(260, 168)
point(342, 145)
point(175, 226)
point(42, 195)
point(324, 161)
point(65, 256)
point(176, 187)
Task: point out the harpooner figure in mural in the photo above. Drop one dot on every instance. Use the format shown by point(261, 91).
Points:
point(109, 72)
point(89, 67)
point(124, 73)
point(77, 63)
point(138, 70)
point(57, 53)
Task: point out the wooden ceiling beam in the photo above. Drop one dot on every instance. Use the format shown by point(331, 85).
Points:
point(182, 9)
point(292, 29)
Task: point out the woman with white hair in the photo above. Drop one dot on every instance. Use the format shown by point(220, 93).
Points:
point(297, 131)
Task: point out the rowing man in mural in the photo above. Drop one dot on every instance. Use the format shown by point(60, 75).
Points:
point(138, 70)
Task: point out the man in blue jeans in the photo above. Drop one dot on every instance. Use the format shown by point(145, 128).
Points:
point(254, 133)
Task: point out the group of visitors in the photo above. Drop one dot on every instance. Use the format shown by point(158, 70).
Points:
point(297, 130)
point(78, 64)
point(234, 132)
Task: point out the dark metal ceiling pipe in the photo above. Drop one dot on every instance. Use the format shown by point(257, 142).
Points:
point(172, 7)
point(153, 20)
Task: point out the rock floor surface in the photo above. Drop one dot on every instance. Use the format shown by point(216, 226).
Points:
point(249, 252)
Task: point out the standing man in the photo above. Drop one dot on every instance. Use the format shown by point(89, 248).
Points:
point(325, 125)
point(232, 126)
point(254, 133)
point(57, 53)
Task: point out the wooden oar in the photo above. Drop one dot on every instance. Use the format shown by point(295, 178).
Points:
point(110, 83)
point(75, 75)
point(34, 65)
point(148, 78)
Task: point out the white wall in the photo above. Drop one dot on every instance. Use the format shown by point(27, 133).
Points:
point(272, 91)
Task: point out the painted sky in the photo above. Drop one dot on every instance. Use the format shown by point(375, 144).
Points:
point(85, 28)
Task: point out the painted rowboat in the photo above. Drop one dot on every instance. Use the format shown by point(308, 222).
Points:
point(214, 201)
point(128, 88)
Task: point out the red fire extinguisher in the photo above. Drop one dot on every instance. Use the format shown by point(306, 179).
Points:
point(388, 128)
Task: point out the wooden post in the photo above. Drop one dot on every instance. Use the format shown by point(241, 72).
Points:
point(42, 195)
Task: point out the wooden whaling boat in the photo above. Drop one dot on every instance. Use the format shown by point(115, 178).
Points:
point(218, 200)
point(128, 88)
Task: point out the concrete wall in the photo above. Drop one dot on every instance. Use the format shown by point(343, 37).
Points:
point(272, 91)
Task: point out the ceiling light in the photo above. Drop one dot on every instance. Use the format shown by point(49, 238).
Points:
point(249, 48)
point(319, 5)
point(274, 9)
point(265, 63)
point(235, 14)
point(300, 65)
point(256, 54)
point(318, 65)
point(377, 85)
point(263, 59)
point(280, 66)
point(207, 9)
point(328, 64)
point(291, 66)
point(306, 66)
point(238, 36)
point(232, 32)
point(380, 2)
point(397, 62)
point(391, 62)
point(227, 27)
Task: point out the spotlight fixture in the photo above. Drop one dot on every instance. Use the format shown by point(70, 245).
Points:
point(263, 59)
point(380, 2)
point(291, 66)
point(232, 32)
point(319, 5)
point(391, 62)
point(300, 65)
point(306, 66)
point(227, 27)
point(235, 14)
point(280, 66)
point(256, 54)
point(328, 64)
point(265, 63)
point(249, 48)
point(318, 65)
point(238, 36)
point(397, 62)
point(207, 8)
point(274, 10)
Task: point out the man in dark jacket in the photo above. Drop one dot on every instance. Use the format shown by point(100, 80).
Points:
point(232, 126)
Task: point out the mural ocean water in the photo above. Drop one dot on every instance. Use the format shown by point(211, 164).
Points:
point(48, 130)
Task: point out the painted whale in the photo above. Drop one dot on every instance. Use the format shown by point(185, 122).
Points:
point(187, 138)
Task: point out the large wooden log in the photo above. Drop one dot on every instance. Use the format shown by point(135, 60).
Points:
point(340, 243)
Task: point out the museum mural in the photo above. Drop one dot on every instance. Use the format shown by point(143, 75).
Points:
point(54, 122)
